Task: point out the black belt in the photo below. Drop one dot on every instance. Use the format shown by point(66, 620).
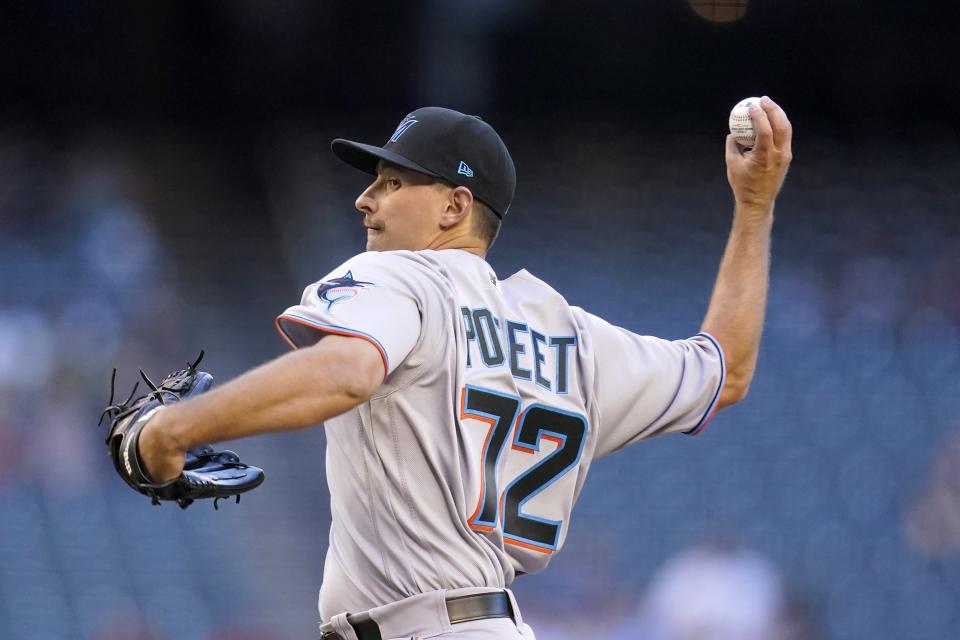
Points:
point(479, 606)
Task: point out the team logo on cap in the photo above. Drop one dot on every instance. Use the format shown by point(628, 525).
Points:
point(339, 289)
point(405, 124)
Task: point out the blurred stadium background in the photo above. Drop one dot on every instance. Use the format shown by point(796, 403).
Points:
point(166, 186)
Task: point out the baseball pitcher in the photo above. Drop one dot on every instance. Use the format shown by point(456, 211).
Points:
point(463, 411)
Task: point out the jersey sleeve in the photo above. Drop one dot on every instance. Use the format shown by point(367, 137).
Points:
point(373, 296)
point(647, 386)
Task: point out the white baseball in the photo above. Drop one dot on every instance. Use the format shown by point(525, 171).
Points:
point(741, 126)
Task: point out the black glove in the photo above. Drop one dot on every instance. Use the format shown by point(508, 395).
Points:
point(207, 473)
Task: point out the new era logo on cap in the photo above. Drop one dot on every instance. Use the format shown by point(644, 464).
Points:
point(464, 169)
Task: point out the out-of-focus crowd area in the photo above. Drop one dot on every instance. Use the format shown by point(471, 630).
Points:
point(826, 505)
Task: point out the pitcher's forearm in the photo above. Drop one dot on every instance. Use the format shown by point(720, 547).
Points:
point(296, 390)
point(267, 399)
point(737, 307)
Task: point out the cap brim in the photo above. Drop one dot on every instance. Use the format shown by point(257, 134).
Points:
point(365, 157)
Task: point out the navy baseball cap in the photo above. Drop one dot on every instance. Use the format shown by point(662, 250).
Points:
point(443, 143)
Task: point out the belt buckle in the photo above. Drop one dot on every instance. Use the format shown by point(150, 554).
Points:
point(330, 635)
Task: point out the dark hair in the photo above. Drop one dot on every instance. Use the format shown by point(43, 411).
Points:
point(485, 222)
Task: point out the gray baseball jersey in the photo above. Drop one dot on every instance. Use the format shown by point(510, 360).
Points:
point(463, 468)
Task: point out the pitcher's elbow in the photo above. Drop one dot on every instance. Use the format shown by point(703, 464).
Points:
point(735, 389)
point(363, 381)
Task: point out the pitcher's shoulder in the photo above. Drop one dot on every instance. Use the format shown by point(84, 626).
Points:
point(533, 288)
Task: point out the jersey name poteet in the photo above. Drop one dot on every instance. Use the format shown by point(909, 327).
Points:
point(463, 468)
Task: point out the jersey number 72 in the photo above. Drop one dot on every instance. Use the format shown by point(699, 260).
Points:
point(537, 422)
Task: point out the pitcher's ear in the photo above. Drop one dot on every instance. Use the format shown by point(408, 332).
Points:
point(459, 202)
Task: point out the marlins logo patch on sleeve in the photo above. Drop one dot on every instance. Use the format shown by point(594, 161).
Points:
point(339, 289)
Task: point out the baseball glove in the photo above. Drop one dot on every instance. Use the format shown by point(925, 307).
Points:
point(207, 473)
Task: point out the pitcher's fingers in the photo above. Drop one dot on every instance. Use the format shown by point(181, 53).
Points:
point(733, 149)
point(782, 129)
point(761, 124)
